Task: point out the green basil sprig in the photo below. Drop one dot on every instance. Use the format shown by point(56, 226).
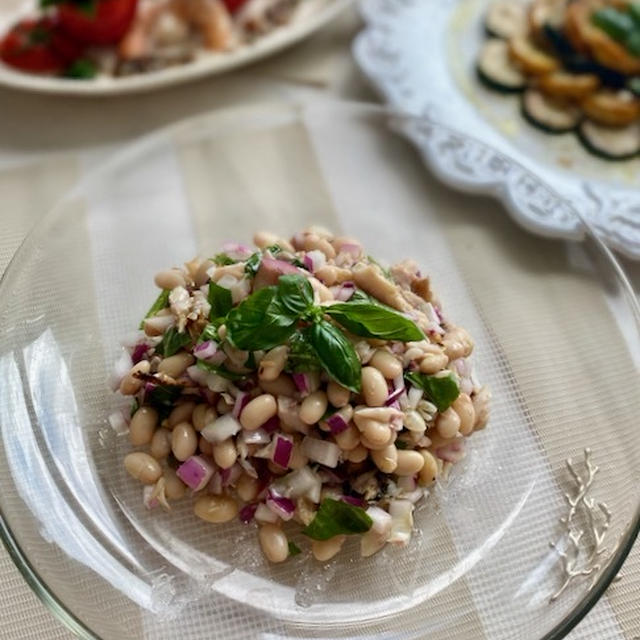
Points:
point(172, 342)
point(273, 315)
point(220, 301)
point(440, 389)
point(334, 518)
point(220, 370)
point(253, 264)
point(374, 321)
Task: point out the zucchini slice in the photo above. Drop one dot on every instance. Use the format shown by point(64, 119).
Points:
point(505, 19)
point(497, 70)
point(610, 143)
point(549, 115)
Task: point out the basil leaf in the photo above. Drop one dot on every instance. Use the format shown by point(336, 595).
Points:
point(172, 342)
point(360, 296)
point(634, 12)
point(614, 23)
point(163, 398)
point(294, 549)
point(134, 407)
point(374, 321)
point(442, 390)
point(295, 293)
point(260, 321)
point(253, 264)
point(220, 301)
point(302, 357)
point(162, 302)
point(336, 354)
point(335, 518)
point(222, 260)
point(220, 370)
point(210, 332)
point(81, 69)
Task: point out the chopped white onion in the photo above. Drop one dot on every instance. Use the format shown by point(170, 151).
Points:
point(264, 514)
point(322, 451)
point(401, 512)
point(220, 429)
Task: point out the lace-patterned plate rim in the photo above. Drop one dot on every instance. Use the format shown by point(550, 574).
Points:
point(388, 53)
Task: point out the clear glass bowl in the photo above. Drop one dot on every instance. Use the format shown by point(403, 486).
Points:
point(556, 331)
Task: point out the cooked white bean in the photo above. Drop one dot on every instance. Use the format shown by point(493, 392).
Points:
point(432, 362)
point(143, 426)
point(274, 543)
point(142, 467)
point(272, 363)
point(174, 488)
point(324, 550)
point(348, 439)
point(247, 487)
point(457, 343)
point(414, 422)
point(225, 453)
point(429, 471)
point(376, 433)
point(130, 385)
point(374, 387)
point(216, 509)
point(463, 406)
point(409, 462)
point(313, 407)
point(176, 365)
point(170, 279)
point(160, 446)
point(359, 454)
point(184, 441)
point(222, 406)
point(338, 395)
point(182, 413)
point(448, 423)
point(386, 459)
point(481, 407)
point(203, 415)
point(283, 385)
point(386, 363)
point(258, 411)
point(314, 242)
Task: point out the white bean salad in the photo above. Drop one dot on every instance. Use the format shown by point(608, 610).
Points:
point(300, 381)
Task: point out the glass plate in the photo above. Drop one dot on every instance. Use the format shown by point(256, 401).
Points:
point(556, 330)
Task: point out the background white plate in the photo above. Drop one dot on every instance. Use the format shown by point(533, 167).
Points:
point(420, 54)
point(310, 16)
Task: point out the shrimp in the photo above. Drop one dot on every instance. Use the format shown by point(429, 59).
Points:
point(212, 19)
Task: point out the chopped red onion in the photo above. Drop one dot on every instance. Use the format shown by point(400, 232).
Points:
point(118, 422)
point(270, 270)
point(356, 502)
point(197, 374)
point(282, 450)
point(281, 506)
point(248, 468)
point(393, 397)
point(247, 512)
point(139, 352)
point(121, 367)
point(322, 451)
point(344, 292)
point(337, 423)
point(352, 248)
point(148, 499)
point(230, 476)
point(264, 514)
point(222, 428)
point(242, 400)
point(271, 425)
point(407, 483)
point(314, 259)
point(195, 472)
point(205, 350)
point(301, 381)
point(236, 250)
point(259, 436)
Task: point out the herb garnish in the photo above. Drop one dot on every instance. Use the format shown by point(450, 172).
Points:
point(442, 390)
point(172, 342)
point(162, 302)
point(335, 517)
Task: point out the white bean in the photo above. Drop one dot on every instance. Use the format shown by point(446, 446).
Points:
point(130, 385)
point(348, 439)
point(283, 385)
point(274, 543)
point(176, 365)
point(386, 363)
point(169, 279)
point(324, 550)
point(160, 446)
point(374, 387)
point(409, 462)
point(338, 395)
point(143, 467)
point(174, 488)
point(429, 471)
point(463, 406)
point(143, 425)
point(313, 407)
point(247, 487)
point(184, 441)
point(216, 508)
point(448, 423)
point(272, 363)
point(258, 411)
point(386, 459)
point(182, 413)
point(225, 453)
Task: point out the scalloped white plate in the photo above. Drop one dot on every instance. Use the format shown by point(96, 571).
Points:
point(308, 18)
point(420, 54)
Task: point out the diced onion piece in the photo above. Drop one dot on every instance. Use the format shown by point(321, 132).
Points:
point(337, 423)
point(381, 521)
point(197, 374)
point(452, 452)
point(281, 506)
point(401, 512)
point(356, 502)
point(139, 352)
point(322, 451)
point(236, 251)
point(344, 291)
point(406, 483)
point(247, 512)
point(302, 482)
point(215, 486)
point(195, 472)
point(121, 367)
point(282, 450)
point(118, 422)
point(242, 400)
point(302, 382)
point(230, 476)
point(415, 395)
point(271, 425)
point(264, 514)
point(227, 281)
point(393, 397)
point(351, 248)
point(259, 436)
point(222, 428)
point(148, 498)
